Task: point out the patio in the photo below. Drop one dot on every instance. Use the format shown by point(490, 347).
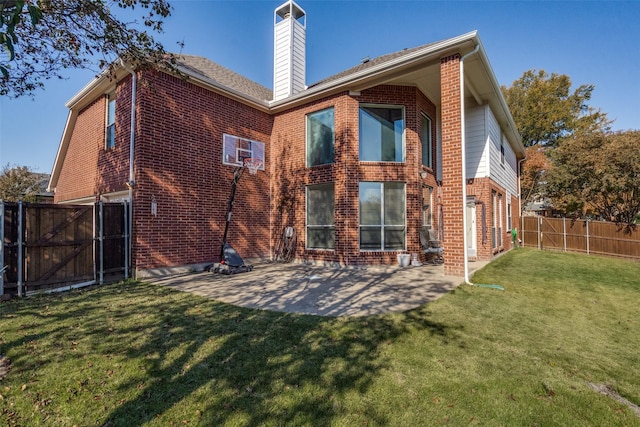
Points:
point(323, 291)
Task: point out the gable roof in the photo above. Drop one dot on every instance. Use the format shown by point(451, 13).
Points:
point(226, 77)
point(418, 66)
point(368, 63)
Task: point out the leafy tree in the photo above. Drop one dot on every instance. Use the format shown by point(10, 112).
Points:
point(546, 111)
point(19, 183)
point(532, 176)
point(598, 173)
point(43, 37)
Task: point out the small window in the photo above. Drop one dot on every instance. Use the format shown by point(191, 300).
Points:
point(381, 133)
point(382, 216)
point(320, 137)
point(509, 217)
point(427, 143)
point(111, 121)
point(427, 206)
point(320, 216)
point(502, 150)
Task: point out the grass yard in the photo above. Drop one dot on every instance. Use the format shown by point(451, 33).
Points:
point(134, 354)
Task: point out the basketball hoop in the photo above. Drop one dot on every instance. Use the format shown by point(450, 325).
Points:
point(252, 165)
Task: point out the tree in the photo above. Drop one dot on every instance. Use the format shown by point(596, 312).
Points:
point(533, 174)
point(598, 173)
point(18, 183)
point(43, 37)
point(545, 111)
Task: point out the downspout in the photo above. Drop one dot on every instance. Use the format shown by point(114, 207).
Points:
point(464, 167)
point(131, 182)
point(520, 193)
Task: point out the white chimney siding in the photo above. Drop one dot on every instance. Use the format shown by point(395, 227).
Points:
point(289, 66)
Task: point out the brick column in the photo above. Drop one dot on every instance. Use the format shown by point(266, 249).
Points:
point(452, 203)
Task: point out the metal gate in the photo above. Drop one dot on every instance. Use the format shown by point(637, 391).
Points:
point(47, 247)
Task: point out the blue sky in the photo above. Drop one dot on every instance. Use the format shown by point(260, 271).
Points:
point(592, 42)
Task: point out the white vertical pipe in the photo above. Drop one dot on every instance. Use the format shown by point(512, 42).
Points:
point(464, 167)
point(132, 139)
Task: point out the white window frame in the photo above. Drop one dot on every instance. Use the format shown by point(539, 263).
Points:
point(110, 121)
point(403, 154)
point(429, 143)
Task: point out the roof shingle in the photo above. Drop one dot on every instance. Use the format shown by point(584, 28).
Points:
point(224, 76)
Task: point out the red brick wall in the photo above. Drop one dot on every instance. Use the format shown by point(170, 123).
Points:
point(452, 165)
point(89, 169)
point(178, 163)
point(178, 153)
point(291, 175)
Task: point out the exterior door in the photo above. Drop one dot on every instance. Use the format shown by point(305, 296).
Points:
point(471, 227)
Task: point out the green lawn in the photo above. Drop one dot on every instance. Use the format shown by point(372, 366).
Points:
point(134, 354)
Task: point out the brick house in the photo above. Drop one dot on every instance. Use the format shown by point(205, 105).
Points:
point(356, 163)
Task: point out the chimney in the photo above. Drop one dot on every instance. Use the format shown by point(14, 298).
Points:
point(289, 50)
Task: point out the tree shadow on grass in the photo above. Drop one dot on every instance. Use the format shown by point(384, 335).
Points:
point(209, 363)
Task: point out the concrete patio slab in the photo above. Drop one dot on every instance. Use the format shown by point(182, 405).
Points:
point(323, 291)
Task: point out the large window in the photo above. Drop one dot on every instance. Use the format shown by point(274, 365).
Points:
point(110, 137)
point(427, 145)
point(320, 216)
point(381, 133)
point(320, 137)
point(382, 216)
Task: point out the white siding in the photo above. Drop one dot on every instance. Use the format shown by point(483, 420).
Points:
point(503, 173)
point(289, 58)
point(475, 134)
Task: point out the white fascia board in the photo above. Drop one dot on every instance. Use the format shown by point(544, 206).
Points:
point(62, 150)
point(388, 66)
point(87, 93)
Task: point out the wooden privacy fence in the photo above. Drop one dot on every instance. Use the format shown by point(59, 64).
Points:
point(45, 247)
point(590, 237)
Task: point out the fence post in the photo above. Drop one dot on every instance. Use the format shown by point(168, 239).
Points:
point(564, 232)
point(587, 236)
point(20, 249)
point(539, 233)
point(2, 266)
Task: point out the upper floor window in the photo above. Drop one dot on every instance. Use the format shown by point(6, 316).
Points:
point(427, 143)
point(320, 137)
point(381, 133)
point(111, 120)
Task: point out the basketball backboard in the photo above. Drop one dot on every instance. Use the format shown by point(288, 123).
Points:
point(235, 150)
